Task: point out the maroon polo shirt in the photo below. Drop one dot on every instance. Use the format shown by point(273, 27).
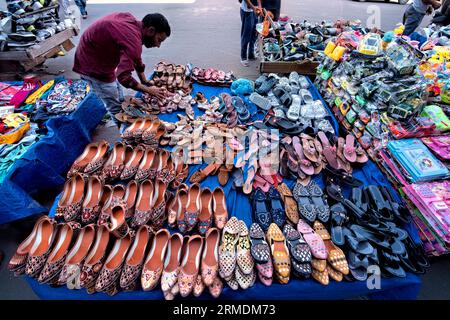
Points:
point(111, 49)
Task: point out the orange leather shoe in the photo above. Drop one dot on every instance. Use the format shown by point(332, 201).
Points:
point(69, 205)
point(129, 278)
point(193, 206)
point(190, 266)
point(154, 264)
point(19, 259)
point(94, 260)
point(219, 208)
point(40, 250)
point(172, 263)
point(145, 169)
point(108, 279)
point(210, 259)
point(131, 165)
point(142, 212)
point(206, 212)
point(91, 203)
point(77, 254)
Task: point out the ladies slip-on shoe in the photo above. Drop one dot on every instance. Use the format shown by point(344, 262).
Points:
point(190, 266)
point(219, 208)
point(130, 198)
point(115, 163)
point(41, 248)
point(215, 289)
point(157, 213)
point(130, 276)
point(91, 204)
point(227, 251)
point(131, 165)
point(142, 212)
point(169, 275)
point(99, 159)
point(280, 253)
point(94, 260)
point(206, 211)
point(77, 254)
point(57, 257)
point(154, 264)
point(117, 224)
point(83, 160)
point(193, 206)
point(69, 205)
point(210, 258)
point(244, 259)
point(19, 259)
point(172, 209)
point(108, 278)
point(182, 201)
point(115, 197)
point(146, 169)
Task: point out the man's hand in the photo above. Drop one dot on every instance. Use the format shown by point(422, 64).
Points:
point(159, 93)
point(429, 11)
point(258, 11)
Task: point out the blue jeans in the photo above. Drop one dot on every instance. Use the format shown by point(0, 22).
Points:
point(248, 35)
point(82, 5)
point(411, 19)
point(110, 93)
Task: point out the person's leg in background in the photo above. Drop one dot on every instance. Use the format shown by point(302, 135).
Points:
point(82, 5)
point(246, 33)
point(110, 93)
point(253, 38)
point(411, 20)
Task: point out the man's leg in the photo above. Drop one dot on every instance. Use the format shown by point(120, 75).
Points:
point(254, 36)
point(412, 20)
point(82, 6)
point(245, 34)
point(110, 93)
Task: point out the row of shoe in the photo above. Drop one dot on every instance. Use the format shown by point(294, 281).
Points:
point(172, 77)
point(194, 207)
point(212, 76)
point(125, 162)
point(59, 254)
point(118, 207)
point(145, 130)
point(308, 154)
point(368, 224)
point(236, 264)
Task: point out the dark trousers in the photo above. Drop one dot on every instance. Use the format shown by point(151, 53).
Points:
point(82, 5)
point(248, 35)
point(411, 20)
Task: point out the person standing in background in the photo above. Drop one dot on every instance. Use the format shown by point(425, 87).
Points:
point(273, 6)
point(416, 11)
point(250, 9)
point(82, 5)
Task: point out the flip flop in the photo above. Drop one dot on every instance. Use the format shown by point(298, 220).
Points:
point(305, 165)
point(349, 148)
point(328, 151)
point(249, 175)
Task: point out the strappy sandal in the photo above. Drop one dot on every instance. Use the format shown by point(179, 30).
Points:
point(340, 152)
point(336, 256)
point(304, 164)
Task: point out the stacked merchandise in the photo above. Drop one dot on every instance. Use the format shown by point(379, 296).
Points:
point(293, 41)
point(378, 87)
point(28, 22)
point(134, 192)
point(27, 107)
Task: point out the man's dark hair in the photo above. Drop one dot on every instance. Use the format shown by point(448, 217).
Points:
point(157, 21)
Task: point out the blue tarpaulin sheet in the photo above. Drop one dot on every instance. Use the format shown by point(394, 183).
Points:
point(239, 205)
point(43, 167)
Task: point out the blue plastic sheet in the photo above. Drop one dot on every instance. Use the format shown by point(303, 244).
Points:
point(42, 168)
point(239, 205)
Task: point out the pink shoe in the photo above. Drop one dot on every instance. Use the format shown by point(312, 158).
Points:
point(210, 259)
point(265, 272)
point(313, 240)
point(215, 289)
point(171, 265)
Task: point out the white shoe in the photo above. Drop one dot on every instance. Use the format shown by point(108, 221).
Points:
point(244, 63)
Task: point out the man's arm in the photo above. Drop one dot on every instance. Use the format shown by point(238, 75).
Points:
point(434, 3)
point(125, 68)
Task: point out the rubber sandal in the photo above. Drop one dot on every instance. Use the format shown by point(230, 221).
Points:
point(305, 165)
point(349, 148)
point(338, 219)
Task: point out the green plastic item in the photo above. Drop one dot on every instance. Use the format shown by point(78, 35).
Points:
point(437, 115)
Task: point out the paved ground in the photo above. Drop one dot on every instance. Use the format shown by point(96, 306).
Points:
point(206, 33)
